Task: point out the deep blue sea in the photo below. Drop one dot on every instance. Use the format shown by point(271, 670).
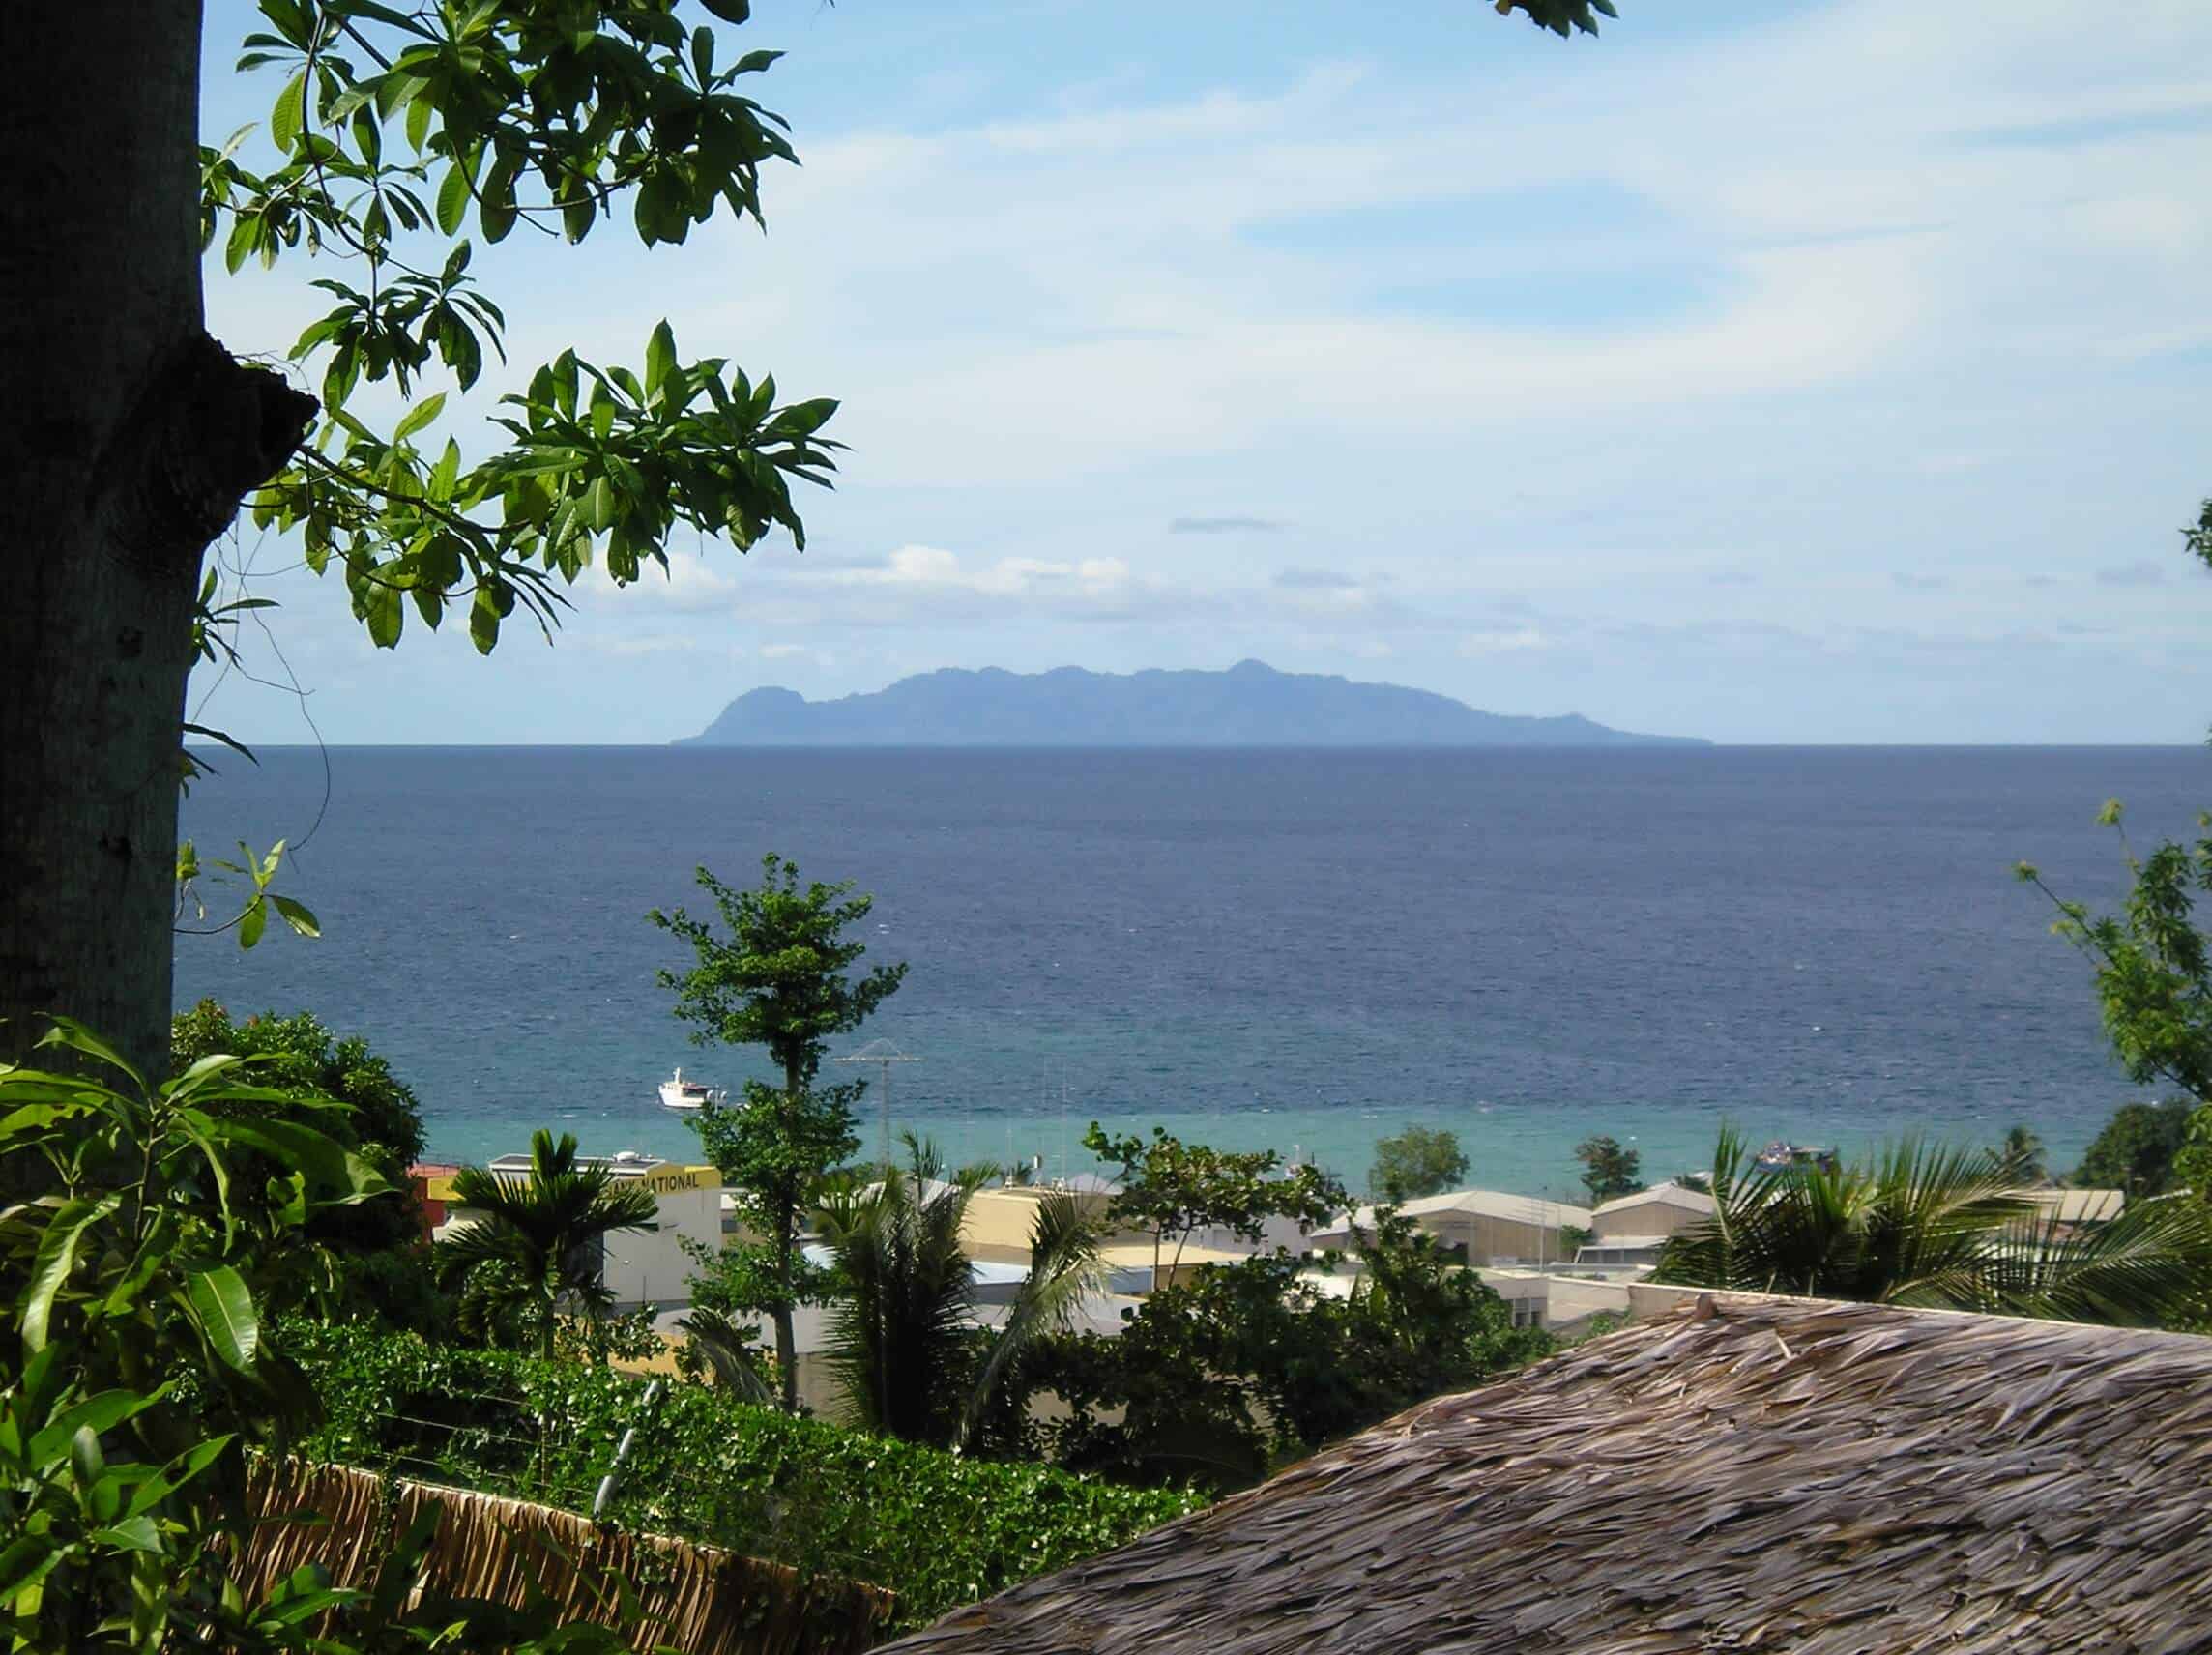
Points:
point(1295, 949)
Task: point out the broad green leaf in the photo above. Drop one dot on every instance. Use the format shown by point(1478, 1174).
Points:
point(24, 1564)
point(418, 415)
point(326, 1161)
point(253, 922)
point(69, 1032)
point(219, 1299)
point(660, 358)
point(483, 622)
point(730, 10)
point(98, 1414)
point(289, 116)
point(132, 1534)
point(298, 916)
point(453, 198)
point(56, 1256)
point(177, 1473)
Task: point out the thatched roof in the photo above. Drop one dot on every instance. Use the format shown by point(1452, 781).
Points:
point(1748, 1474)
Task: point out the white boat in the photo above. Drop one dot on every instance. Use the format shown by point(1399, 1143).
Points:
point(680, 1093)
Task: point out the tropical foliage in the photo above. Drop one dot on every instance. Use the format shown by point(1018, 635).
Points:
point(530, 1245)
point(905, 1341)
point(2153, 970)
point(140, 1367)
point(938, 1528)
point(1941, 1228)
point(1172, 1190)
point(2135, 1150)
point(1418, 1161)
point(780, 981)
point(1220, 1378)
point(375, 1247)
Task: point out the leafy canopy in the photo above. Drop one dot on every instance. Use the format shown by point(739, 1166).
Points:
point(142, 1364)
point(1609, 1170)
point(1173, 1190)
point(1420, 1161)
point(2153, 970)
point(1221, 1378)
point(392, 130)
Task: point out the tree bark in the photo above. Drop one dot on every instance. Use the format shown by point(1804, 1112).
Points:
point(128, 438)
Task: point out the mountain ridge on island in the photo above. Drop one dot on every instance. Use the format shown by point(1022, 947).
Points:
point(1249, 705)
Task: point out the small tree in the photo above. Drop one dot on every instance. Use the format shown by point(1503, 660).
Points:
point(1173, 1189)
point(778, 981)
point(1608, 1169)
point(300, 1056)
point(1420, 1161)
point(2153, 969)
point(535, 1244)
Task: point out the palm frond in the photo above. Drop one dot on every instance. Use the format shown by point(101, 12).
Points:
point(1065, 1267)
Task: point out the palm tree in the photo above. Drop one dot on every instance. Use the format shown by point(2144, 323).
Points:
point(2022, 1150)
point(1938, 1227)
point(727, 1346)
point(534, 1243)
point(902, 1334)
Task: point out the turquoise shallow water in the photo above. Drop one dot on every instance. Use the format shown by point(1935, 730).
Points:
point(1261, 948)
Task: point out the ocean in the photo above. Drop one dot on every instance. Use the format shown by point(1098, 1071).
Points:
point(1302, 951)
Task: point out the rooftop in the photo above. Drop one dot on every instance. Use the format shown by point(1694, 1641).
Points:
point(1479, 1203)
point(1794, 1476)
point(1659, 1195)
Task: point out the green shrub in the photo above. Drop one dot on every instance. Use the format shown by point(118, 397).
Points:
point(935, 1527)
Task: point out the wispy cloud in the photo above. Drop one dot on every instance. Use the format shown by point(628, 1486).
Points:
point(2142, 572)
point(1224, 526)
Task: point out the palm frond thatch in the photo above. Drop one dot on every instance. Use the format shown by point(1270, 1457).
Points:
point(1799, 1479)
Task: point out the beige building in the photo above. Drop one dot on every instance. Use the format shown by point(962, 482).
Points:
point(1495, 1229)
point(1632, 1229)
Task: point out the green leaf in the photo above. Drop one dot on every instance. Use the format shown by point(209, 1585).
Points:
point(98, 1414)
point(323, 1158)
point(384, 614)
point(419, 113)
point(453, 198)
point(483, 622)
point(298, 916)
point(224, 1308)
point(132, 1534)
point(287, 119)
point(177, 1473)
point(69, 1032)
point(253, 922)
point(55, 1258)
point(660, 358)
point(25, 1563)
point(730, 10)
point(418, 417)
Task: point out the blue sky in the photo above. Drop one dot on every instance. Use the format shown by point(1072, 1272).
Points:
point(1819, 372)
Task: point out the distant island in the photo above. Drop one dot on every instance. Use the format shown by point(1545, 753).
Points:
point(1250, 705)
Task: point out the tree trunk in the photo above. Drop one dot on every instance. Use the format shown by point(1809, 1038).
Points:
point(786, 1346)
point(126, 438)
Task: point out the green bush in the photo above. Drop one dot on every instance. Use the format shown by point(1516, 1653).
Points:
point(935, 1527)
